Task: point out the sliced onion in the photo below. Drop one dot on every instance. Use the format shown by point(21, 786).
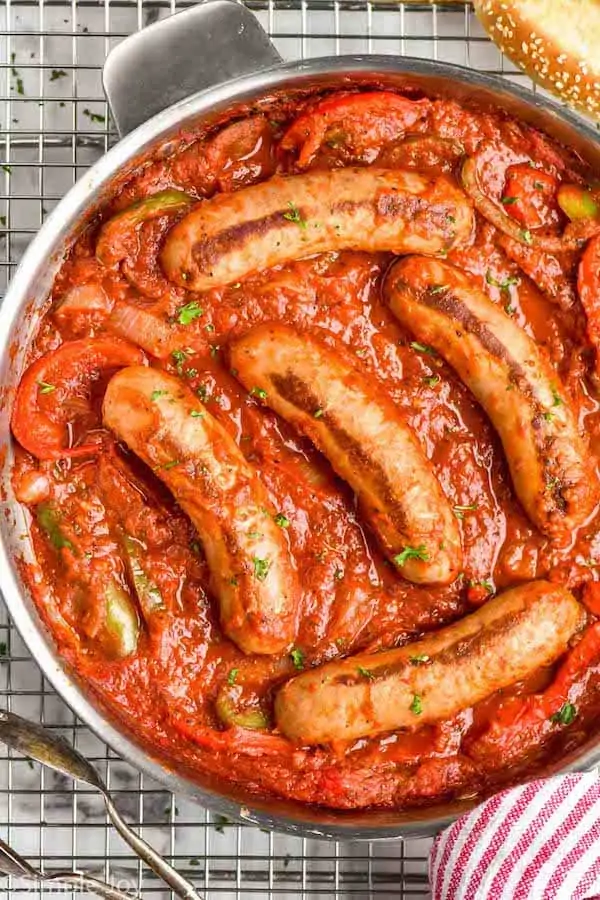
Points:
point(143, 328)
point(494, 213)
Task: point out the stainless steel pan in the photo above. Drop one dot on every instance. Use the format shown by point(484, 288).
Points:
point(189, 71)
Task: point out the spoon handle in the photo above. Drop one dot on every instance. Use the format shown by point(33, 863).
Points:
point(81, 880)
point(180, 885)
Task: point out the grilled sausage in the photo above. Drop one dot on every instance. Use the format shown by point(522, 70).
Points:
point(225, 238)
point(252, 572)
point(366, 440)
point(550, 465)
point(433, 679)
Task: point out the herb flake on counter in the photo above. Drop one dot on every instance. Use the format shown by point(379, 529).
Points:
point(57, 73)
point(294, 215)
point(220, 822)
point(189, 312)
point(282, 520)
point(261, 567)
point(407, 553)
point(232, 676)
point(6, 168)
point(94, 117)
point(416, 706)
point(45, 388)
point(565, 715)
point(297, 657)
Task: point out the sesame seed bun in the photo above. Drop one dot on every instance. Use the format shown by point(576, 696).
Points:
point(555, 41)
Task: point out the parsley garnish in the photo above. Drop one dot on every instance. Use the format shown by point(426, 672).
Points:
point(46, 388)
point(156, 394)
point(459, 511)
point(438, 288)
point(171, 464)
point(232, 676)
point(508, 201)
point(297, 657)
point(487, 585)
point(431, 380)
point(526, 236)
point(565, 715)
point(422, 348)
point(338, 573)
point(180, 357)
point(556, 398)
point(419, 552)
point(318, 413)
point(294, 215)
point(503, 285)
point(258, 392)
point(261, 567)
point(282, 520)
point(366, 673)
point(189, 312)
point(419, 660)
point(197, 414)
point(416, 706)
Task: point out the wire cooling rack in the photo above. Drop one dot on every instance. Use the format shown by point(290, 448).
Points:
point(54, 124)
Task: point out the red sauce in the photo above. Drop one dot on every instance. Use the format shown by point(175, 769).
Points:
point(165, 690)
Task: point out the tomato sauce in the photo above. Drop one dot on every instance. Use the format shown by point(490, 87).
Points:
point(103, 518)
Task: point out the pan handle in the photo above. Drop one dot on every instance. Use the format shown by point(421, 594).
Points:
point(194, 50)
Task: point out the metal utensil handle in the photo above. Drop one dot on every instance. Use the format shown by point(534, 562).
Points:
point(180, 885)
point(201, 47)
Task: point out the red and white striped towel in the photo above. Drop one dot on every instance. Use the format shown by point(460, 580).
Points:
point(540, 841)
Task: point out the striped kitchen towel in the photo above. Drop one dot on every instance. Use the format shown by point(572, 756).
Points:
point(540, 841)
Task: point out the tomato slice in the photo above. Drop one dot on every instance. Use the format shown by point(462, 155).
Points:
point(588, 286)
point(356, 121)
point(530, 196)
point(55, 385)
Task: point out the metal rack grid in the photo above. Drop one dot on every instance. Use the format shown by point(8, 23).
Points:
point(53, 125)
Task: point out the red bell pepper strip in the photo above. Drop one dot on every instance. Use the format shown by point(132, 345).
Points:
point(356, 120)
point(530, 196)
point(41, 410)
point(588, 287)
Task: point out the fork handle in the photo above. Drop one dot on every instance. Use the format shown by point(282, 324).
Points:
point(180, 885)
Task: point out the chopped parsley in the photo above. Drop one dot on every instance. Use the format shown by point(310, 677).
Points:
point(525, 236)
point(156, 394)
point(282, 520)
point(431, 380)
point(318, 413)
point(45, 387)
point(171, 464)
point(232, 676)
point(338, 573)
point(510, 310)
point(539, 185)
point(180, 357)
point(503, 285)
point(203, 393)
point(297, 657)
point(416, 706)
point(508, 201)
point(258, 392)
point(565, 715)
point(486, 585)
point(197, 414)
point(214, 349)
point(261, 567)
point(94, 117)
point(411, 553)
point(419, 660)
point(459, 511)
point(548, 416)
point(438, 288)
point(6, 168)
point(189, 312)
point(556, 399)
point(422, 348)
point(294, 215)
point(57, 73)
point(366, 673)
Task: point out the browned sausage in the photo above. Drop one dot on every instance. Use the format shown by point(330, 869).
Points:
point(252, 572)
point(224, 239)
point(366, 440)
point(551, 468)
point(433, 679)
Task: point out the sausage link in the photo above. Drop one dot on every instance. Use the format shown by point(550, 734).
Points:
point(224, 239)
point(551, 467)
point(366, 441)
point(252, 572)
point(433, 679)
